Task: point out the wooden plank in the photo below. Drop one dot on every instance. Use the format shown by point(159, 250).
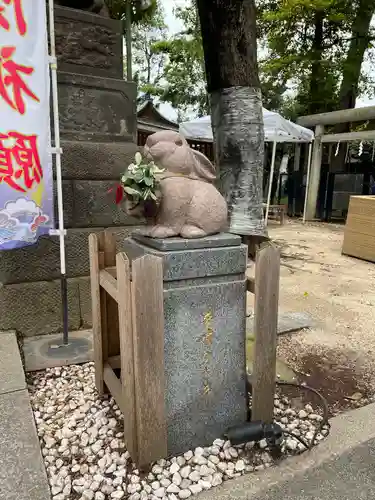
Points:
point(96, 311)
point(115, 362)
point(114, 385)
point(267, 274)
point(250, 284)
point(109, 283)
point(364, 135)
point(103, 300)
point(341, 116)
point(148, 338)
point(359, 235)
point(113, 338)
point(127, 353)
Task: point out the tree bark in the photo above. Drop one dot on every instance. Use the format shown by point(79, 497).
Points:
point(315, 104)
point(230, 49)
point(352, 70)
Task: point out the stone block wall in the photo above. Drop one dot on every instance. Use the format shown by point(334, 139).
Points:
point(98, 125)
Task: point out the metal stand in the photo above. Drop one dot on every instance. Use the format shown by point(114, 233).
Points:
point(68, 348)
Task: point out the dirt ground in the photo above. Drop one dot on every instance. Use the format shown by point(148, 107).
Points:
point(337, 356)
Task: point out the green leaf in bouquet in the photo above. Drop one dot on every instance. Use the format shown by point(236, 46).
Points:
point(148, 181)
point(132, 191)
point(156, 170)
point(138, 158)
point(138, 176)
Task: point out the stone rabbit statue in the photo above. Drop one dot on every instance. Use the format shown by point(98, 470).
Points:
point(191, 206)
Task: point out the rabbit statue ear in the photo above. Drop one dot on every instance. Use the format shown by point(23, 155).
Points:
point(203, 168)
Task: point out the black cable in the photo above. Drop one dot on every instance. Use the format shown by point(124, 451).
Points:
point(322, 423)
point(301, 440)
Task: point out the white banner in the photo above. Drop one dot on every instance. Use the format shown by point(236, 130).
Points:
point(26, 180)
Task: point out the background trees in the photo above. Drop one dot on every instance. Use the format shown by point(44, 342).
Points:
point(311, 54)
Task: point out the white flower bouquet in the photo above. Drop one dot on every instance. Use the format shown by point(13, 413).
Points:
point(139, 186)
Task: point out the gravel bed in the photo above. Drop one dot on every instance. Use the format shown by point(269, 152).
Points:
point(84, 453)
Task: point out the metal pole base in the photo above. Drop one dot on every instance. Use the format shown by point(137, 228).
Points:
point(75, 348)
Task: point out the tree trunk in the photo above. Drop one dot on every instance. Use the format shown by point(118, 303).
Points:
point(315, 104)
point(352, 70)
point(230, 49)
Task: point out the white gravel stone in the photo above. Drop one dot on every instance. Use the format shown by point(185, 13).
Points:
point(206, 485)
point(291, 444)
point(176, 479)
point(185, 471)
point(199, 460)
point(184, 494)
point(185, 483)
point(240, 466)
point(263, 444)
point(159, 493)
point(174, 468)
point(219, 443)
point(135, 496)
point(172, 488)
point(88, 495)
point(117, 494)
point(214, 459)
point(194, 476)
point(84, 452)
point(195, 488)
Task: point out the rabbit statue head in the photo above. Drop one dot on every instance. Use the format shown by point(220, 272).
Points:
point(170, 151)
point(191, 206)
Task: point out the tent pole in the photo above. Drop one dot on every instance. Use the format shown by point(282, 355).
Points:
point(307, 183)
point(270, 181)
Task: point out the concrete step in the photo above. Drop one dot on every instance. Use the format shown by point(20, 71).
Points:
point(22, 472)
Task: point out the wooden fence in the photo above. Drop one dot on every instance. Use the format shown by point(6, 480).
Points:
point(128, 334)
point(265, 286)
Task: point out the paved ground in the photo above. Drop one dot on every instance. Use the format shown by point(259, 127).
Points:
point(345, 478)
point(341, 468)
point(22, 473)
point(337, 355)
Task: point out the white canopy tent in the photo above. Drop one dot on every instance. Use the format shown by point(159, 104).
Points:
point(276, 129)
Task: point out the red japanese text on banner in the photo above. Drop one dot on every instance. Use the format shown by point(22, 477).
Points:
point(26, 179)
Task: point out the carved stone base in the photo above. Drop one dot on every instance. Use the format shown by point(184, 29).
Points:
point(205, 319)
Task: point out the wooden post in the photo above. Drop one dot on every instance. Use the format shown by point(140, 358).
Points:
point(148, 338)
point(314, 178)
point(96, 311)
point(267, 274)
point(113, 338)
point(127, 353)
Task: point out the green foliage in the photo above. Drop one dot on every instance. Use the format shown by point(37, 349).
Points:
point(307, 44)
point(184, 72)
point(140, 181)
point(149, 62)
point(142, 10)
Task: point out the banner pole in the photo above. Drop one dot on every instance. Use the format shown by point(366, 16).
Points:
point(56, 125)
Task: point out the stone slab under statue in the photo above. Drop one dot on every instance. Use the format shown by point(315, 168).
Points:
point(204, 289)
point(190, 205)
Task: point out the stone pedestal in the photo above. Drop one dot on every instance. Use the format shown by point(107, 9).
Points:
point(205, 321)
